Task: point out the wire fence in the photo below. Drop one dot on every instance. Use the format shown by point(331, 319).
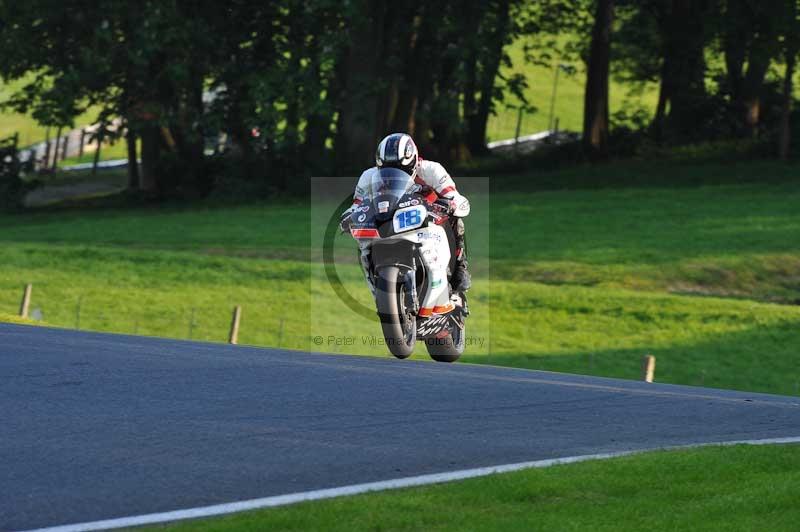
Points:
point(260, 324)
point(317, 327)
point(512, 124)
point(263, 324)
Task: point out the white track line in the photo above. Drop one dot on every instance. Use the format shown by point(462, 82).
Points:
point(355, 489)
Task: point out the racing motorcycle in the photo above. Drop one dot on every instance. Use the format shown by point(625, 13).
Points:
point(408, 256)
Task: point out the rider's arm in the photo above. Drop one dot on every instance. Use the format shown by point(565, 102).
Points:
point(361, 187)
point(358, 197)
point(435, 176)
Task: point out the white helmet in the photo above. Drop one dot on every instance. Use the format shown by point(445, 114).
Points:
point(399, 151)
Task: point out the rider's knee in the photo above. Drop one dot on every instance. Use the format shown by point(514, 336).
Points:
point(459, 227)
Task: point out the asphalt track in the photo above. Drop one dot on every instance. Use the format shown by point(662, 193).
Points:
point(96, 426)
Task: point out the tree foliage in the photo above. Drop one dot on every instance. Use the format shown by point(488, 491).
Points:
point(282, 89)
point(295, 86)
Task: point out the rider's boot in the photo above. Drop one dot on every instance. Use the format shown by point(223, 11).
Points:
point(461, 279)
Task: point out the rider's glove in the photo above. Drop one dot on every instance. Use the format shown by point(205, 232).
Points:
point(345, 220)
point(459, 205)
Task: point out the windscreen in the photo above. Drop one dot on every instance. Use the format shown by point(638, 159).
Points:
point(387, 186)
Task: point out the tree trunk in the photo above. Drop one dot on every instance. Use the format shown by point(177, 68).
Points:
point(406, 106)
point(472, 19)
point(751, 39)
point(735, 45)
point(296, 37)
point(685, 67)
point(785, 138)
point(133, 164)
point(761, 52)
point(792, 48)
point(356, 131)
point(664, 88)
point(595, 113)
point(151, 149)
point(493, 53)
point(413, 109)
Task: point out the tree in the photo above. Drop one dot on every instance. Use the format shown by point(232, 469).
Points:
point(595, 112)
point(683, 77)
point(363, 77)
point(750, 38)
point(281, 81)
point(791, 49)
point(145, 63)
point(482, 65)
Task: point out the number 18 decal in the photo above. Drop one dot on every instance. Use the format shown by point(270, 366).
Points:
point(409, 218)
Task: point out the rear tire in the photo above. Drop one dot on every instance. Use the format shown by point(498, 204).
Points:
point(446, 349)
point(399, 326)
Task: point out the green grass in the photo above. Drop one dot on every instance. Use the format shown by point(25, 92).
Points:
point(118, 150)
point(10, 123)
point(719, 488)
point(30, 132)
point(582, 280)
point(9, 318)
point(568, 107)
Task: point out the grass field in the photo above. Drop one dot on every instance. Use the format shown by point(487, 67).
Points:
point(568, 280)
point(10, 318)
point(569, 94)
point(721, 488)
point(10, 123)
point(30, 132)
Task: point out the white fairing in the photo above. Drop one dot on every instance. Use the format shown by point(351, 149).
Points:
point(435, 253)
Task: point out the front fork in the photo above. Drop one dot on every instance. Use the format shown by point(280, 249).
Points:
point(412, 301)
point(367, 268)
point(409, 280)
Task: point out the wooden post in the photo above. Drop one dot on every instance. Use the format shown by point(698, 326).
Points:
point(26, 301)
point(56, 151)
point(96, 160)
point(65, 147)
point(191, 324)
point(518, 128)
point(237, 317)
point(47, 148)
point(648, 368)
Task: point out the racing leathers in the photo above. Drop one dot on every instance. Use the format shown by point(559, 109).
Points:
point(432, 175)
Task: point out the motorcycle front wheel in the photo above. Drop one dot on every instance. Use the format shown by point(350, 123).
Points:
point(398, 323)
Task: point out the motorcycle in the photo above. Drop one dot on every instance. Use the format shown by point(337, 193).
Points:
point(408, 256)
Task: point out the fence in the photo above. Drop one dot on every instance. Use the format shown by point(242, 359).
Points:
point(253, 324)
point(46, 155)
point(513, 123)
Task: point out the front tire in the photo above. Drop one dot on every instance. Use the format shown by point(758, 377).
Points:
point(399, 324)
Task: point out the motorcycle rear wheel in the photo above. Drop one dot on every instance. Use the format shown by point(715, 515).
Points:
point(398, 324)
point(447, 349)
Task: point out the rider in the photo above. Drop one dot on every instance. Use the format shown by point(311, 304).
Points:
point(399, 151)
